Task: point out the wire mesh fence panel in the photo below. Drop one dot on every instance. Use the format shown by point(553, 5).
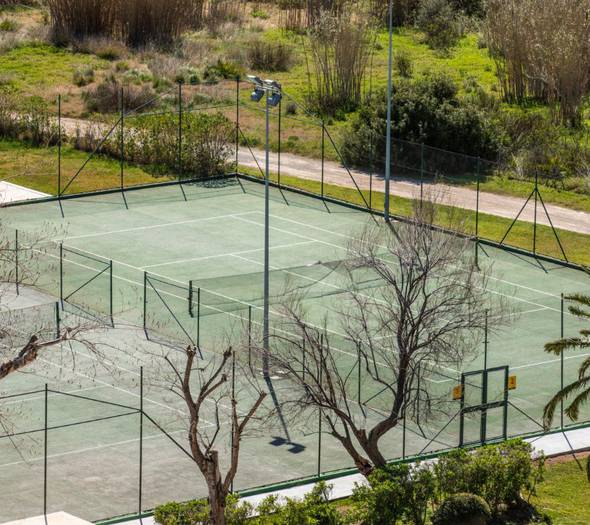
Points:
point(86, 284)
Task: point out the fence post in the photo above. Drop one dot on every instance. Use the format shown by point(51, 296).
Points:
point(237, 122)
point(371, 169)
point(45, 436)
point(562, 361)
point(250, 337)
point(233, 398)
point(535, 217)
point(404, 435)
point(145, 279)
point(57, 320)
point(477, 214)
point(180, 166)
point(61, 274)
point(323, 157)
point(59, 145)
point(111, 311)
point(16, 263)
point(279, 150)
point(199, 319)
point(140, 502)
point(421, 173)
point(122, 138)
point(319, 471)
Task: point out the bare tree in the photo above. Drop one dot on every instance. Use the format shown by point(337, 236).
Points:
point(414, 305)
point(213, 413)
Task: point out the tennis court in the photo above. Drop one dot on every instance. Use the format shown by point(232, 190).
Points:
point(184, 263)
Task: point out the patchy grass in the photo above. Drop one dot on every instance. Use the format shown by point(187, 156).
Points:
point(36, 168)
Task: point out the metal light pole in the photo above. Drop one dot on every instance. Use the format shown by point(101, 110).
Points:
point(389, 96)
point(271, 90)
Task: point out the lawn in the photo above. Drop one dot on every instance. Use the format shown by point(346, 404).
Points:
point(565, 493)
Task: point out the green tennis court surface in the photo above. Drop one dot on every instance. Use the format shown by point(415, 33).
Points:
point(186, 265)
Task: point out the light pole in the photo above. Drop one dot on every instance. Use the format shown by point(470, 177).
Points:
point(389, 96)
point(271, 90)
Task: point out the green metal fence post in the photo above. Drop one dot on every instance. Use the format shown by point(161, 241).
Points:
point(237, 123)
point(323, 157)
point(562, 360)
point(279, 149)
point(59, 145)
point(319, 468)
point(16, 263)
point(111, 293)
point(45, 448)
point(180, 164)
point(190, 298)
point(250, 337)
point(145, 281)
point(535, 217)
point(57, 320)
point(61, 274)
point(199, 319)
point(477, 214)
point(140, 493)
point(421, 173)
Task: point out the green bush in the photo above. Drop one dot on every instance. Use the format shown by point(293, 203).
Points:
point(83, 77)
point(403, 64)
point(394, 493)
point(267, 56)
point(105, 97)
point(439, 22)
point(221, 69)
point(462, 509)
point(427, 111)
point(197, 512)
point(8, 26)
point(501, 474)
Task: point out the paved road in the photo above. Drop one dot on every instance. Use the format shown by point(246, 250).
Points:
point(489, 203)
point(334, 173)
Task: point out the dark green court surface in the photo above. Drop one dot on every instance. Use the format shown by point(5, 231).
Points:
point(184, 266)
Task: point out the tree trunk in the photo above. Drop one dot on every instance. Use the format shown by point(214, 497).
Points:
point(217, 504)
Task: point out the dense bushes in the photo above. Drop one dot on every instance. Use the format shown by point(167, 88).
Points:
point(462, 509)
point(429, 111)
point(106, 96)
point(29, 121)
point(464, 488)
point(438, 20)
point(269, 56)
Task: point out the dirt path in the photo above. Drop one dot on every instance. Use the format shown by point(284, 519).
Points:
point(334, 173)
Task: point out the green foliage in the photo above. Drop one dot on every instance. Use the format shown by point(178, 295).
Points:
point(8, 26)
point(403, 64)
point(197, 511)
point(221, 69)
point(267, 56)
point(427, 111)
point(462, 509)
point(106, 96)
point(438, 20)
point(259, 13)
point(469, 7)
point(28, 120)
point(83, 76)
point(394, 493)
point(501, 474)
point(313, 509)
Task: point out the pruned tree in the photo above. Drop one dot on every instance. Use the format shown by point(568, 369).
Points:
point(413, 305)
point(577, 393)
point(216, 409)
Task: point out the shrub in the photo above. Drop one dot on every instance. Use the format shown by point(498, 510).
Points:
point(462, 509)
point(83, 77)
point(102, 47)
point(8, 26)
point(438, 21)
point(221, 69)
point(403, 64)
point(267, 56)
point(197, 511)
point(427, 111)
point(29, 121)
point(395, 492)
point(105, 97)
point(291, 108)
point(500, 474)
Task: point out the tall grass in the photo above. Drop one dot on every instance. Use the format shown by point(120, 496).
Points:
point(135, 22)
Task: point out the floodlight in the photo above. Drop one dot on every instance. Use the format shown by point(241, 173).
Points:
point(257, 94)
point(272, 84)
point(274, 99)
point(254, 79)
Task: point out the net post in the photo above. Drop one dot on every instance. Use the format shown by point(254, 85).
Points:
point(16, 262)
point(57, 320)
point(323, 143)
point(562, 360)
point(45, 436)
point(61, 274)
point(279, 150)
point(237, 123)
point(140, 481)
point(145, 281)
point(199, 319)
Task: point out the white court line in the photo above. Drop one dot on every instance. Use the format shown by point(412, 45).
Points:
point(348, 237)
point(155, 226)
point(513, 297)
point(234, 254)
point(87, 449)
point(37, 398)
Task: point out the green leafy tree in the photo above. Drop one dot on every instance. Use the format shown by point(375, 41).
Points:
point(579, 389)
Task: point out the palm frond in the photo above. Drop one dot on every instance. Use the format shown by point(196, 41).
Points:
point(569, 343)
point(573, 410)
point(562, 395)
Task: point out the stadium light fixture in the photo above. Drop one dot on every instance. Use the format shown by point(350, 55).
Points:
point(271, 90)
